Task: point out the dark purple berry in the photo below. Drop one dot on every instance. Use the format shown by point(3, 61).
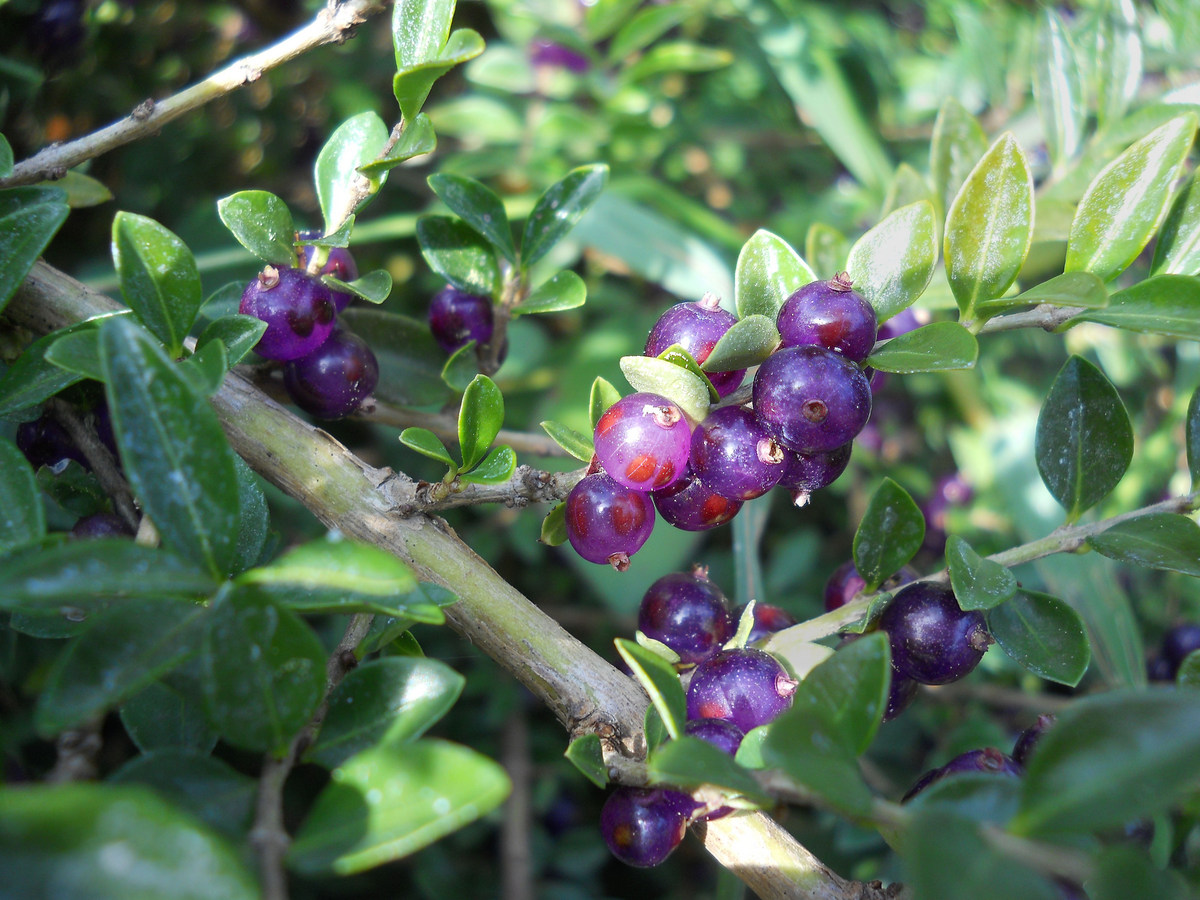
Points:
point(340, 264)
point(456, 318)
point(101, 525)
point(1178, 643)
point(335, 378)
point(768, 619)
point(642, 441)
point(829, 314)
point(1158, 668)
point(804, 473)
point(988, 760)
point(721, 733)
point(606, 521)
point(555, 56)
point(949, 491)
point(691, 505)
point(297, 308)
point(56, 33)
point(643, 825)
point(746, 687)
point(696, 327)
point(845, 582)
point(735, 454)
point(688, 613)
point(811, 398)
point(933, 640)
point(45, 442)
point(1029, 738)
point(901, 693)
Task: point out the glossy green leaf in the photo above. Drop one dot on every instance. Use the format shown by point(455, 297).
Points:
point(390, 701)
point(458, 253)
point(989, 227)
point(477, 205)
point(768, 272)
point(978, 583)
point(1058, 89)
point(586, 753)
point(578, 445)
point(602, 396)
point(1111, 758)
point(419, 30)
point(892, 264)
point(238, 333)
point(354, 143)
point(261, 223)
point(1044, 635)
point(161, 715)
point(110, 842)
point(29, 218)
point(957, 144)
point(1125, 204)
point(657, 376)
point(676, 355)
point(826, 249)
point(479, 419)
point(383, 805)
point(675, 56)
point(1158, 541)
point(416, 139)
point(74, 488)
point(374, 287)
point(174, 451)
point(979, 796)
point(643, 28)
point(22, 518)
point(410, 361)
point(206, 368)
point(1192, 437)
point(1117, 60)
point(889, 535)
point(495, 468)
point(6, 157)
point(1081, 289)
point(1084, 440)
point(79, 354)
point(264, 671)
point(1177, 251)
point(930, 348)
point(1164, 304)
point(254, 520)
point(660, 681)
point(461, 366)
point(848, 691)
point(747, 343)
point(428, 444)
point(604, 17)
point(1188, 675)
point(564, 290)
point(689, 763)
point(411, 85)
point(554, 526)
point(558, 209)
point(802, 746)
point(83, 190)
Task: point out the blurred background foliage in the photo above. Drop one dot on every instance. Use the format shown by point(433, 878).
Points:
point(717, 117)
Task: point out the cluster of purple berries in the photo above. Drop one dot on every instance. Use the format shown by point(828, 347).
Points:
point(810, 399)
point(328, 371)
point(731, 691)
point(1177, 644)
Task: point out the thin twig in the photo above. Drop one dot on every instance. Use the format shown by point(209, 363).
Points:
point(516, 855)
point(99, 458)
point(445, 426)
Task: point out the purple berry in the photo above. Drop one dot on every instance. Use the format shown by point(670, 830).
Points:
point(1029, 738)
point(988, 760)
point(688, 613)
point(340, 264)
point(643, 825)
point(746, 687)
point(642, 441)
point(950, 490)
point(735, 454)
point(1178, 643)
point(811, 398)
point(456, 318)
point(768, 619)
point(555, 56)
point(845, 582)
point(606, 521)
point(933, 640)
point(901, 693)
point(45, 442)
point(334, 379)
point(101, 525)
point(691, 505)
point(829, 314)
point(804, 473)
point(696, 327)
point(722, 734)
point(297, 308)
point(1158, 668)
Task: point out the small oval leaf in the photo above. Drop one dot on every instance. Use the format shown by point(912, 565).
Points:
point(889, 535)
point(768, 272)
point(558, 209)
point(747, 343)
point(262, 224)
point(479, 206)
point(1044, 635)
point(892, 264)
point(459, 254)
point(978, 583)
point(657, 376)
point(930, 348)
point(1158, 541)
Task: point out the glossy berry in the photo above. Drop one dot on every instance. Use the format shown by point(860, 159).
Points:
point(691, 505)
point(1028, 739)
point(688, 613)
point(746, 687)
point(811, 398)
point(552, 55)
point(643, 825)
point(297, 308)
point(989, 760)
point(101, 525)
point(642, 441)
point(845, 582)
point(804, 473)
point(334, 379)
point(340, 264)
point(606, 521)
point(722, 734)
point(456, 318)
point(933, 640)
point(1178, 643)
point(829, 314)
point(696, 327)
point(901, 693)
point(735, 454)
point(768, 619)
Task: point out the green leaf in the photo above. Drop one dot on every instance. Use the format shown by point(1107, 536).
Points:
point(122, 650)
point(264, 671)
point(479, 419)
point(29, 218)
point(657, 376)
point(458, 253)
point(989, 227)
point(643, 29)
point(238, 333)
point(206, 367)
point(587, 755)
point(1111, 758)
point(802, 746)
point(558, 209)
point(390, 701)
point(1058, 89)
point(382, 805)
point(412, 84)
point(410, 361)
point(1192, 437)
point(1082, 289)
point(1158, 541)
point(1117, 61)
point(747, 343)
point(76, 489)
point(162, 715)
point(1044, 635)
point(1177, 251)
point(825, 248)
point(419, 31)
point(59, 840)
point(908, 186)
point(603, 395)
point(1127, 201)
point(689, 763)
point(892, 264)
point(889, 535)
point(461, 366)
point(930, 348)
point(261, 223)
point(676, 355)
point(354, 143)
point(604, 17)
point(1188, 675)
point(848, 691)
point(658, 678)
point(1084, 440)
point(477, 205)
point(978, 583)
point(957, 144)
point(172, 446)
point(374, 287)
point(83, 190)
point(1123, 872)
point(768, 272)
point(495, 468)
point(79, 354)
point(565, 290)
point(428, 444)
point(554, 526)
point(22, 518)
point(6, 157)
point(416, 139)
point(578, 445)
point(1164, 304)
point(675, 56)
